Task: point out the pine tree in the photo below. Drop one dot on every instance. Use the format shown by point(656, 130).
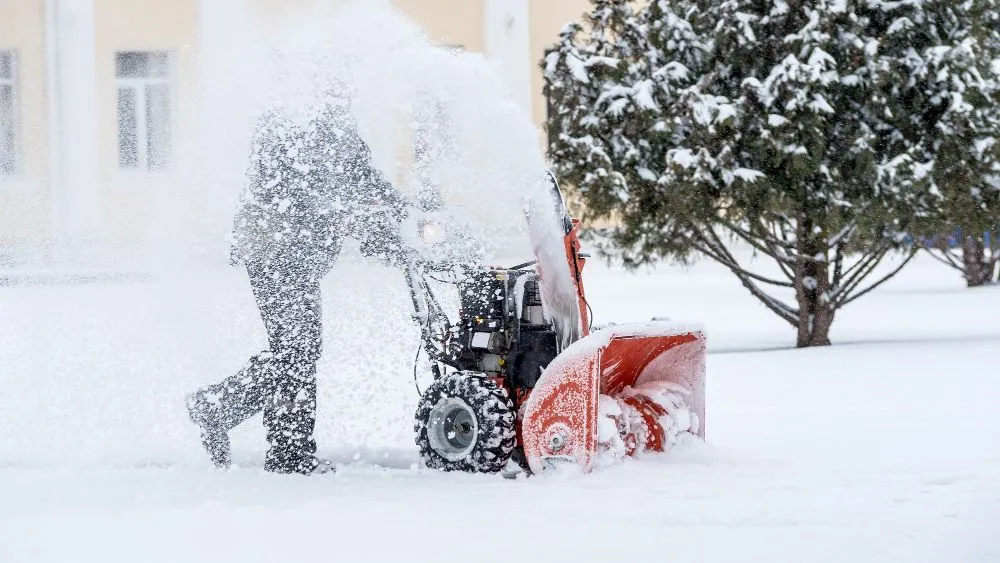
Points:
point(742, 123)
point(589, 61)
point(949, 106)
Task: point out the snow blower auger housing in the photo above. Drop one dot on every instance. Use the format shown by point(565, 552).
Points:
point(520, 379)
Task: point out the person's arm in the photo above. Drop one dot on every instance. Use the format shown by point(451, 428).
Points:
point(379, 209)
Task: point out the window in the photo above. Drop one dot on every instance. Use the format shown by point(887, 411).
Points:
point(144, 109)
point(8, 112)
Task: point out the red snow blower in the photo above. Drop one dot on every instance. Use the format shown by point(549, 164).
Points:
point(521, 383)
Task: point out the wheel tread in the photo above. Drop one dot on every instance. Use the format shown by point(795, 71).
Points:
point(496, 419)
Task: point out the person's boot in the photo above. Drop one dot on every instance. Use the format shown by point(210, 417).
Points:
point(290, 419)
point(214, 435)
point(218, 408)
point(306, 465)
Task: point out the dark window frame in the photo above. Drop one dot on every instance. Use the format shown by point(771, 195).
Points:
point(10, 126)
point(144, 86)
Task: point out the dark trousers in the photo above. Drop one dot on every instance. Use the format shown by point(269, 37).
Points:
point(280, 381)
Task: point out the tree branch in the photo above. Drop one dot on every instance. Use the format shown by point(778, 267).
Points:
point(769, 236)
point(730, 262)
point(884, 279)
point(838, 264)
point(838, 239)
point(785, 312)
point(946, 258)
point(871, 262)
point(710, 253)
point(851, 274)
point(994, 257)
point(752, 239)
point(763, 239)
point(789, 273)
point(785, 232)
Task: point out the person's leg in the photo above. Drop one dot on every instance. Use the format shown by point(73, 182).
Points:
point(289, 299)
point(219, 408)
point(280, 381)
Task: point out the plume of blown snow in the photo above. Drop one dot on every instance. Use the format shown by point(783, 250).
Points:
point(480, 150)
point(482, 154)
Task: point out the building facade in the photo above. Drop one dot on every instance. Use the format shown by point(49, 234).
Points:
point(94, 95)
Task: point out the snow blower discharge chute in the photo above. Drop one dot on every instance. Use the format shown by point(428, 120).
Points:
point(520, 383)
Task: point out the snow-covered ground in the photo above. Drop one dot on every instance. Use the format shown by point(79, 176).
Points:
point(884, 447)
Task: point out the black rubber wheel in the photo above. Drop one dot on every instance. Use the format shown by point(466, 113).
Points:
point(465, 422)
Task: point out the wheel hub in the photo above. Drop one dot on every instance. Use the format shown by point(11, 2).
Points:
point(452, 428)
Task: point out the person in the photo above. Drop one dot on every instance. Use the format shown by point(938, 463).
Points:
point(311, 183)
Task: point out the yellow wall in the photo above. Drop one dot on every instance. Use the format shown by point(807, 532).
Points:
point(141, 25)
point(451, 22)
point(24, 198)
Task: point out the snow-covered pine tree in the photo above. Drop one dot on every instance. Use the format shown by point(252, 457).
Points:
point(949, 106)
point(610, 93)
point(741, 123)
point(590, 59)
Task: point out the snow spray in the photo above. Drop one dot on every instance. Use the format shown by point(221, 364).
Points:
point(130, 352)
point(433, 117)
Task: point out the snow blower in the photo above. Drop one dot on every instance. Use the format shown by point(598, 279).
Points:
point(522, 383)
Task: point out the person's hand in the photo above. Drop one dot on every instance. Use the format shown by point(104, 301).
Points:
point(386, 246)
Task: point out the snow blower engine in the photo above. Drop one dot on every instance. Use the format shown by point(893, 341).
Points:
point(521, 384)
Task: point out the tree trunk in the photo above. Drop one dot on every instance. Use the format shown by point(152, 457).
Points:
point(815, 313)
point(812, 289)
point(976, 270)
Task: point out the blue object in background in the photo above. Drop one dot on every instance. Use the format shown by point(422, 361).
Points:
point(954, 240)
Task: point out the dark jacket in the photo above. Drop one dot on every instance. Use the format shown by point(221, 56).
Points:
point(311, 182)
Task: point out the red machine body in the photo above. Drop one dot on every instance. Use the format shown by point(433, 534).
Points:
point(644, 383)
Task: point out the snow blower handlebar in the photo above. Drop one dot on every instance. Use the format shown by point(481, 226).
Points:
point(435, 327)
point(437, 330)
point(439, 335)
